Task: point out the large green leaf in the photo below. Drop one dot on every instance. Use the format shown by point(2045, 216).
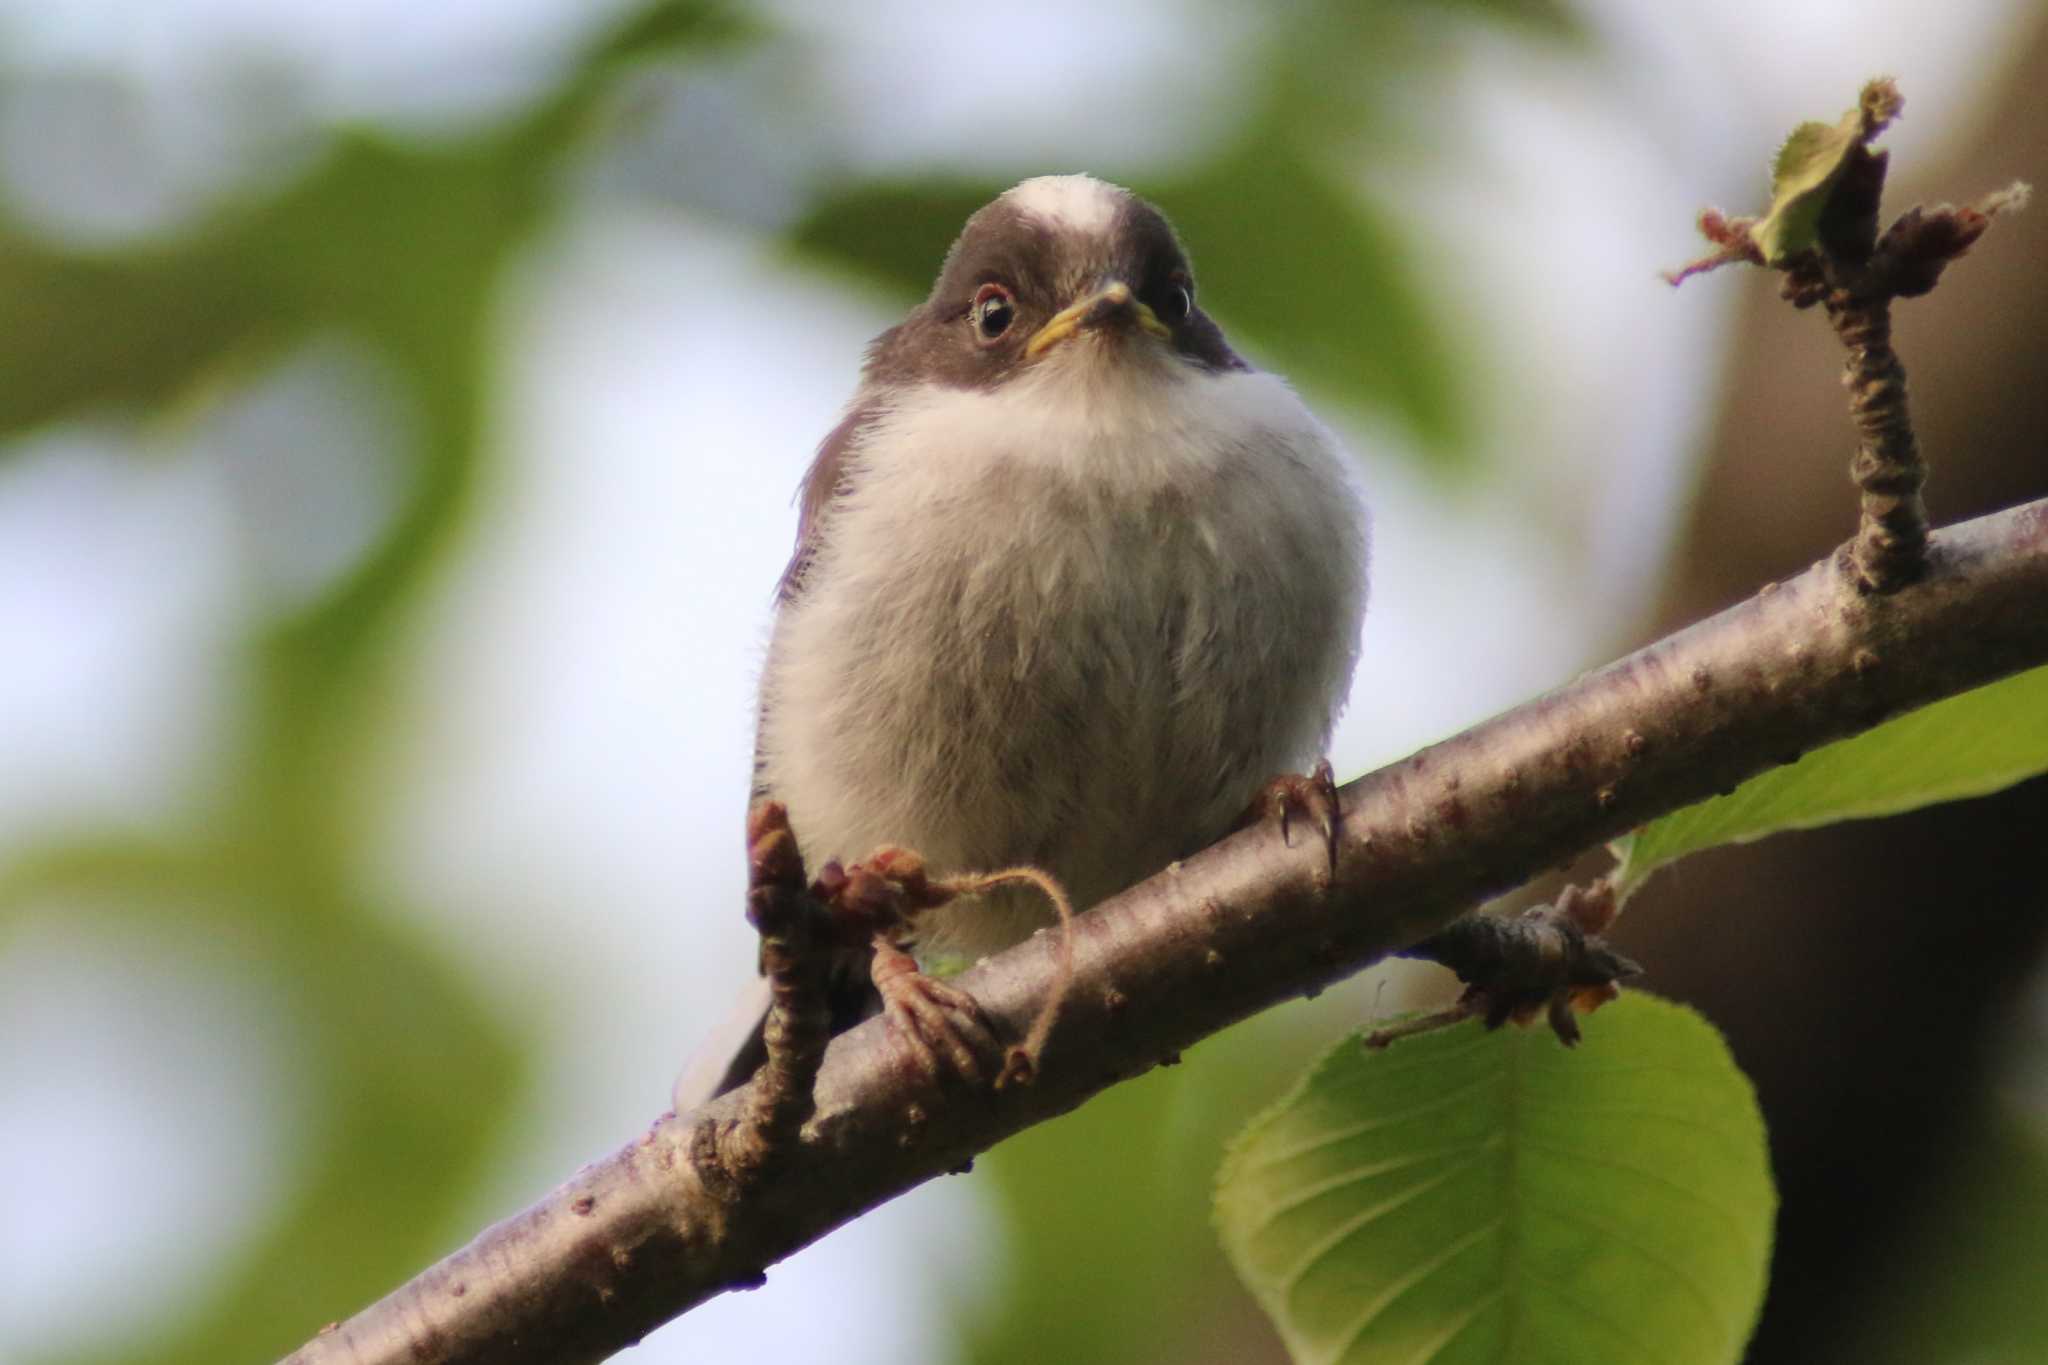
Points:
point(1971, 745)
point(1475, 1196)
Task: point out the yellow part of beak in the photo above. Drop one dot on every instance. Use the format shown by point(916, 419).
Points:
point(1072, 318)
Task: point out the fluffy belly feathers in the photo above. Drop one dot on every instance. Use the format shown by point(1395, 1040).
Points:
point(1030, 661)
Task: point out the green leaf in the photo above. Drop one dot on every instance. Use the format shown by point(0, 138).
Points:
point(1802, 174)
point(894, 231)
point(1474, 1196)
point(667, 28)
point(1809, 165)
point(1115, 1196)
point(1096, 1199)
point(1971, 745)
point(416, 1080)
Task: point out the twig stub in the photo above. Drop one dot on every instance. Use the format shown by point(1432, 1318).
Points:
point(796, 956)
point(1549, 961)
point(1822, 231)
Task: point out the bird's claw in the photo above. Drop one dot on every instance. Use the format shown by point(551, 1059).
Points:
point(942, 1026)
point(1311, 797)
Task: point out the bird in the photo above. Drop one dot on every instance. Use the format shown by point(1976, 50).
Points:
point(1072, 580)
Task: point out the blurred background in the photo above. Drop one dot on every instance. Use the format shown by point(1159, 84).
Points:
point(399, 410)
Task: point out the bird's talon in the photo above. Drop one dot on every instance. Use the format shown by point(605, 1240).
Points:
point(942, 1025)
point(1311, 796)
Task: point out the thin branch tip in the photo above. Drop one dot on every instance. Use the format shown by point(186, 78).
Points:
point(1821, 231)
point(1880, 103)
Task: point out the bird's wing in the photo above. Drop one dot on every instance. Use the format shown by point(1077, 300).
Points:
point(823, 482)
point(730, 1054)
point(735, 1049)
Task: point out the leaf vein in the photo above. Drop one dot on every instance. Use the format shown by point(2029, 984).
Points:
point(1743, 1235)
point(1364, 1218)
point(1639, 1349)
point(1431, 1350)
point(1419, 1275)
point(1366, 1171)
point(1681, 1275)
point(1363, 1126)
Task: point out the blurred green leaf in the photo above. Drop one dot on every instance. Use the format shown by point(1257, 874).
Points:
point(128, 329)
point(403, 247)
point(1115, 1197)
point(402, 1131)
point(1319, 282)
point(403, 1139)
point(1971, 745)
point(1971, 1293)
point(1476, 1196)
point(893, 231)
point(1105, 1233)
point(666, 28)
point(377, 232)
point(1355, 78)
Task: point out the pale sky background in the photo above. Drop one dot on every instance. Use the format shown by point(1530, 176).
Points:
point(572, 729)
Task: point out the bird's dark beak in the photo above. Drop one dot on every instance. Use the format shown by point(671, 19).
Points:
point(1110, 305)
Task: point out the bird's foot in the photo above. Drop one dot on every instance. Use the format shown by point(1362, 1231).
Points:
point(941, 1026)
point(875, 902)
point(1300, 798)
point(878, 897)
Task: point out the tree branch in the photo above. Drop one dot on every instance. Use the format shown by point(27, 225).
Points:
point(666, 1223)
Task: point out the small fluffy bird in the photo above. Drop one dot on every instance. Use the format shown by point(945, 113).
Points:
point(1072, 580)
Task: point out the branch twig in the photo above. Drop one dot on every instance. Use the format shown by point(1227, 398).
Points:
point(795, 957)
point(1548, 960)
point(653, 1230)
point(1821, 231)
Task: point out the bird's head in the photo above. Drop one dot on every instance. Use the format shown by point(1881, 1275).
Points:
point(1062, 270)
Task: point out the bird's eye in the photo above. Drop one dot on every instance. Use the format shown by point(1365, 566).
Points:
point(1180, 297)
point(995, 308)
